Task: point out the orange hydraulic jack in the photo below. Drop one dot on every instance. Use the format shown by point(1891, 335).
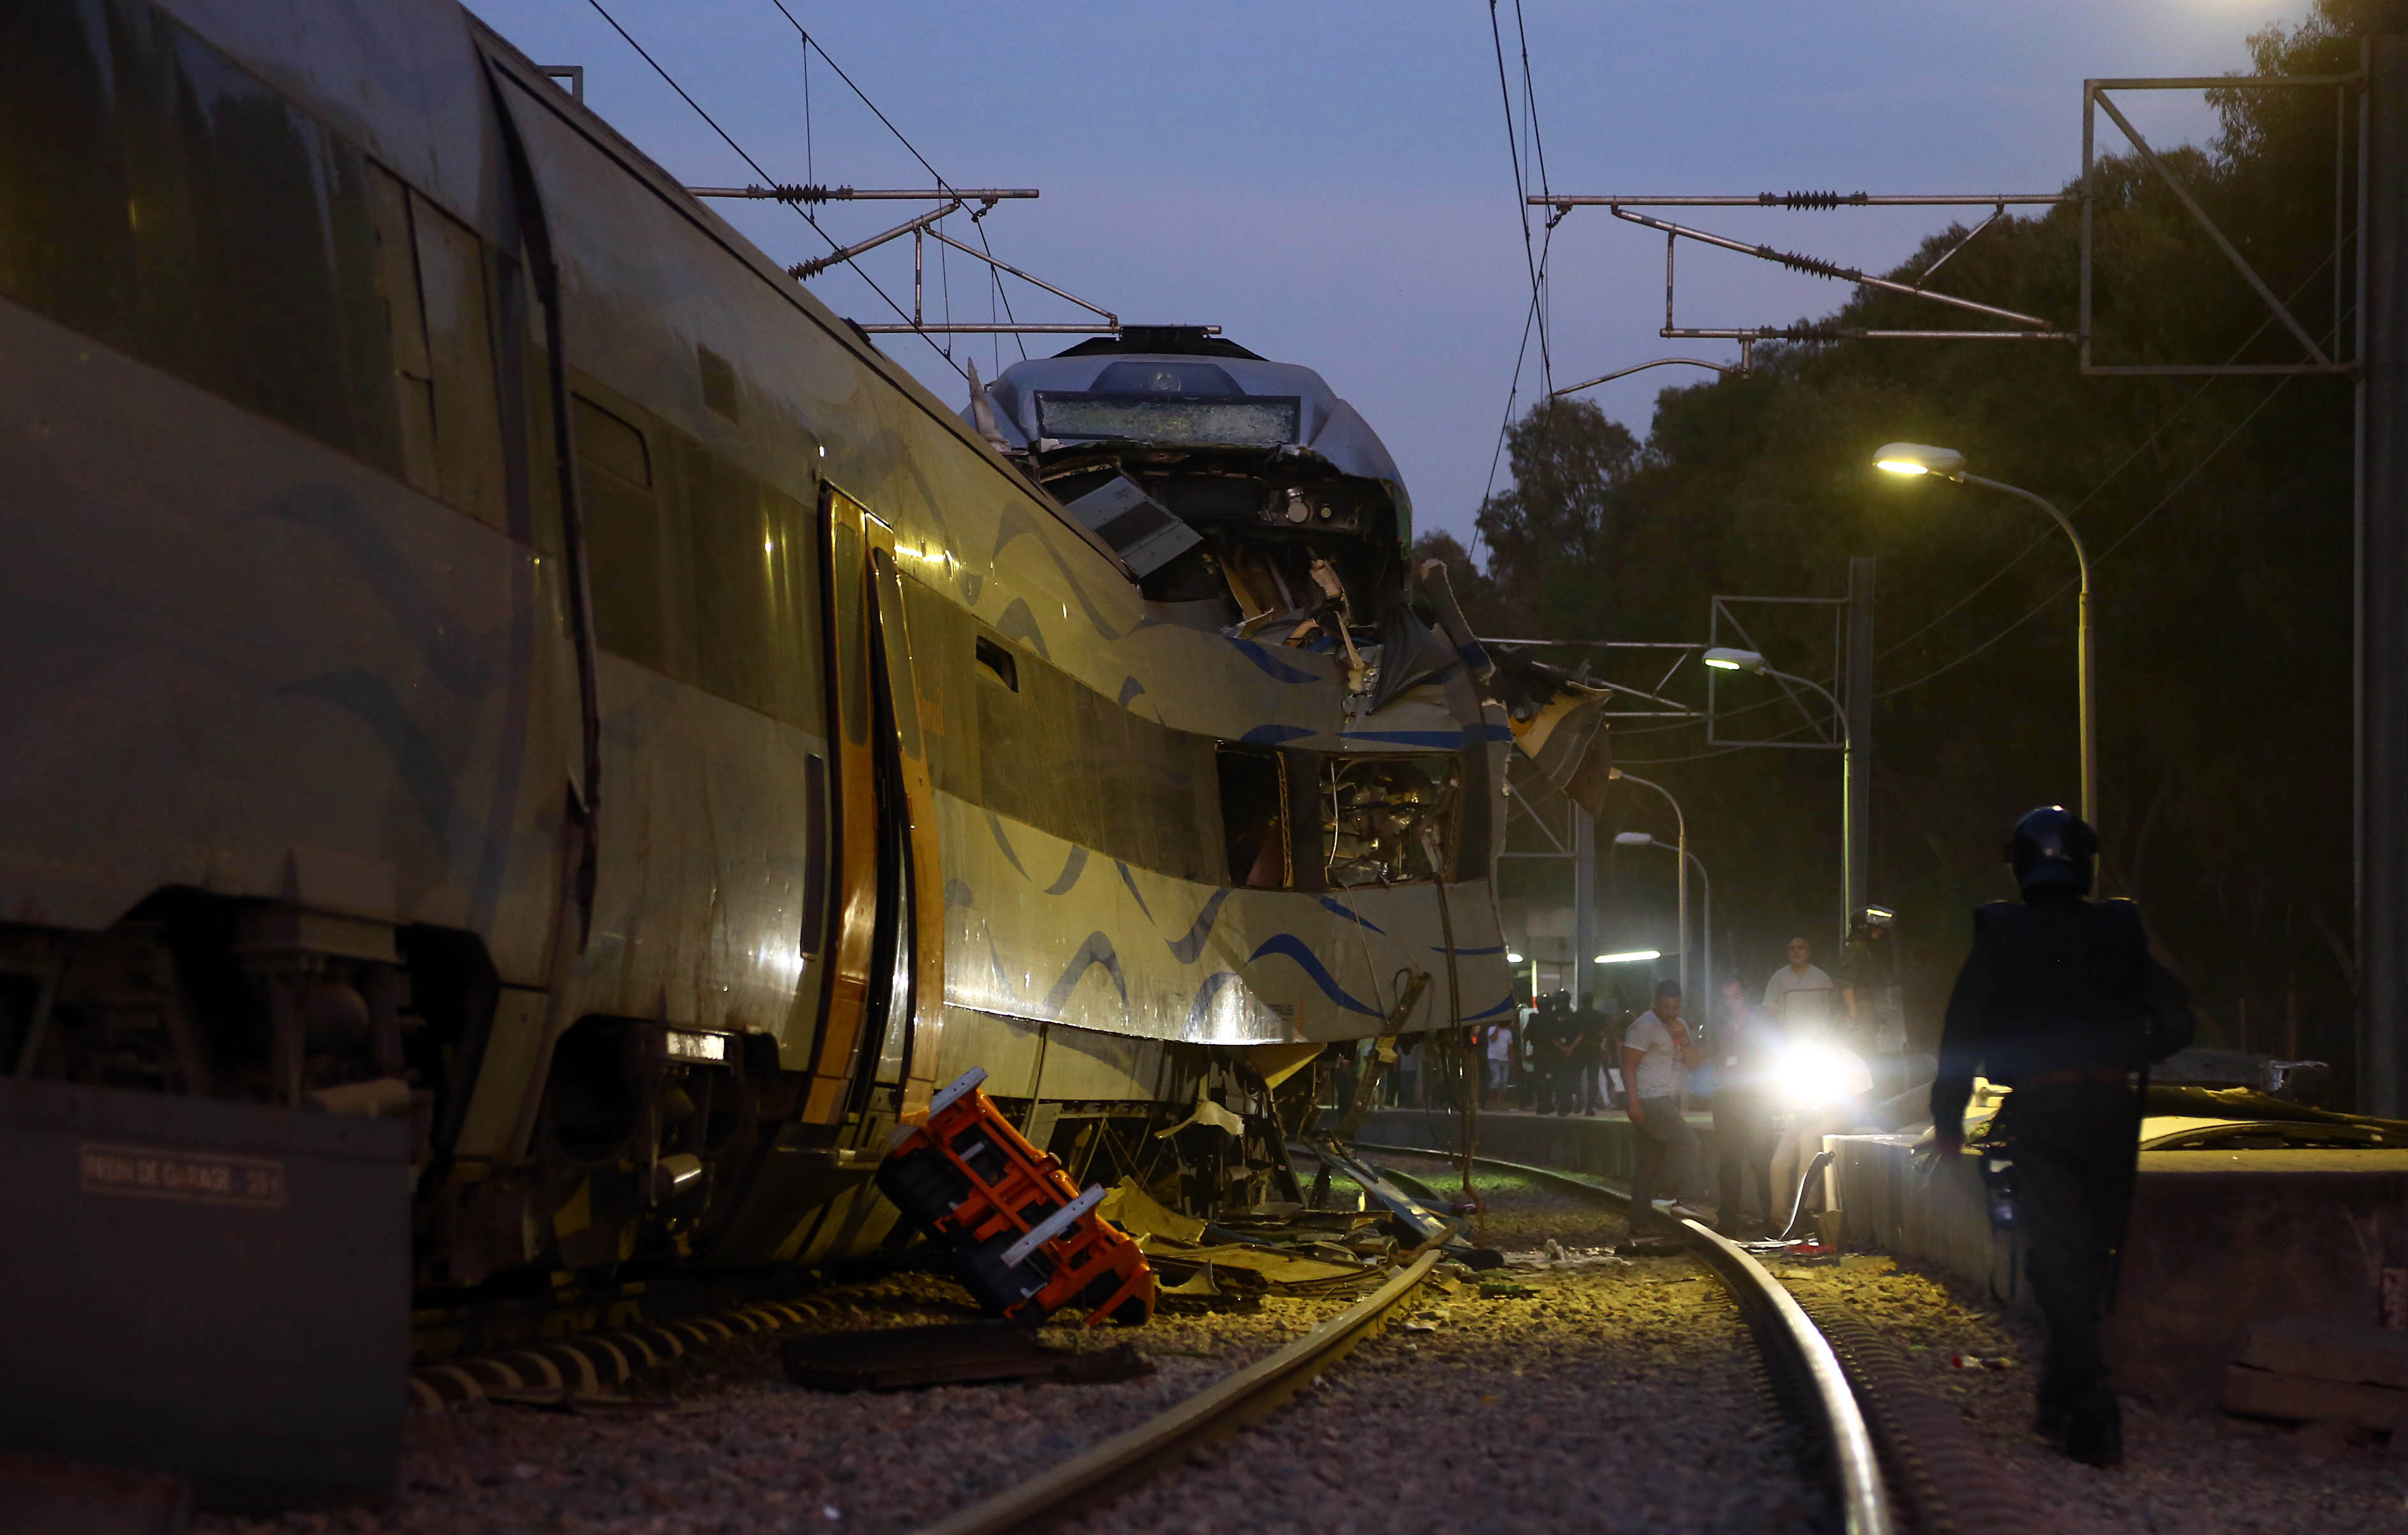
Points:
point(1022, 1236)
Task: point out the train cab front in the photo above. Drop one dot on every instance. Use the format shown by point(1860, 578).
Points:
point(1243, 493)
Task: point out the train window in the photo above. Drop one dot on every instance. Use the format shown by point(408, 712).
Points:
point(606, 442)
point(163, 200)
point(460, 356)
point(1166, 378)
point(996, 664)
point(815, 852)
point(622, 535)
point(1253, 816)
point(736, 551)
point(405, 321)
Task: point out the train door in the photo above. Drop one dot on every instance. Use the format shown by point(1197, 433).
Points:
point(877, 1045)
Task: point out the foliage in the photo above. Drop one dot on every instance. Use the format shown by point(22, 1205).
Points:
point(2218, 512)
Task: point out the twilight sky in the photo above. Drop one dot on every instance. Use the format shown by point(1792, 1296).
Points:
point(1331, 183)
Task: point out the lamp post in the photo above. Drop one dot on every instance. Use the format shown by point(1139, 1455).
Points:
point(1641, 839)
point(1680, 883)
point(1917, 458)
point(1723, 658)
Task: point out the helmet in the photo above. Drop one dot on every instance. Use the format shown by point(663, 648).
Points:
point(2053, 850)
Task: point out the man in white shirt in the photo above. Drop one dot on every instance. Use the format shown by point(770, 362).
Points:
point(1656, 1053)
point(1500, 1057)
point(1800, 994)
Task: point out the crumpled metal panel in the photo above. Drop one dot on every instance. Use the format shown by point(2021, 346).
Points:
point(1039, 928)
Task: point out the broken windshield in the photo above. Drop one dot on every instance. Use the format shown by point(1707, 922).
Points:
point(1263, 421)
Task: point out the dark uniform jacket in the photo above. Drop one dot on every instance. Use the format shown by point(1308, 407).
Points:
point(2055, 985)
point(1588, 1039)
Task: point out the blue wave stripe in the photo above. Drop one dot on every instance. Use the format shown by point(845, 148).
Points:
point(996, 828)
point(1096, 951)
point(1184, 950)
point(1295, 949)
point(1447, 739)
point(1130, 880)
point(1492, 949)
point(1274, 734)
point(1072, 866)
point(1271, 666)
point(1204, 994)
point(1015, 523)
point(1357, 918)
point(1504, 1005)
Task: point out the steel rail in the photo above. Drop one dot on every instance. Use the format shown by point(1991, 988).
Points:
point(1169, 1437)
point(1864, 1497)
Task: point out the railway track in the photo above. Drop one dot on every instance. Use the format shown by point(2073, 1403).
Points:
point(1819, 1394)
point(1901, 1458)
point(1805, 1356)
point(1214, 1413)
point(1873, 1453)
point(583, 1345)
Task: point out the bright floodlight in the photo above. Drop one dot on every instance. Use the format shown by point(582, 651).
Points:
point(1919, 458)
point(1723, 658)
point(1512, 958)
point(1631, 957)
point(1633, 839)
point(1811, 1073)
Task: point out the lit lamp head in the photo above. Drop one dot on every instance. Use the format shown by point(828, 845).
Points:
point(1915, 458)
point(1723, 658)
point(1815, 1073)
point(1512, 958)
point(1633, 839)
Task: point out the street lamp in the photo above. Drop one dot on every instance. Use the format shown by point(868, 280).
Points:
point(1723, 658)
point(1641, 839)
point(1917, 458)
point(1680, 883)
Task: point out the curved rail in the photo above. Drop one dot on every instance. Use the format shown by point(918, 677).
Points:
point(1212, 1414)
point(1864, 1498)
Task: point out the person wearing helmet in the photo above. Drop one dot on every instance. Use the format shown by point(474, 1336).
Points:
point(2061, 1000)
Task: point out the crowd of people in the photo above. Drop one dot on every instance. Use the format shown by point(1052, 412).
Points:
point(1781, 1067)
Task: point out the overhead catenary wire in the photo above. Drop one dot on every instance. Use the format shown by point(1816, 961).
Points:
point(2155, 431)
point(1990, 644)
point(1537, 159)
point(812, 45)
point(2163, 501)
point(757, 168)
point(1533, 252)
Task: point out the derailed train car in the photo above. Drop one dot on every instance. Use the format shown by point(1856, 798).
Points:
point(485, 647)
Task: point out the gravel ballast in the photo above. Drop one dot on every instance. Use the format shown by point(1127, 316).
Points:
point(1624, 1394)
